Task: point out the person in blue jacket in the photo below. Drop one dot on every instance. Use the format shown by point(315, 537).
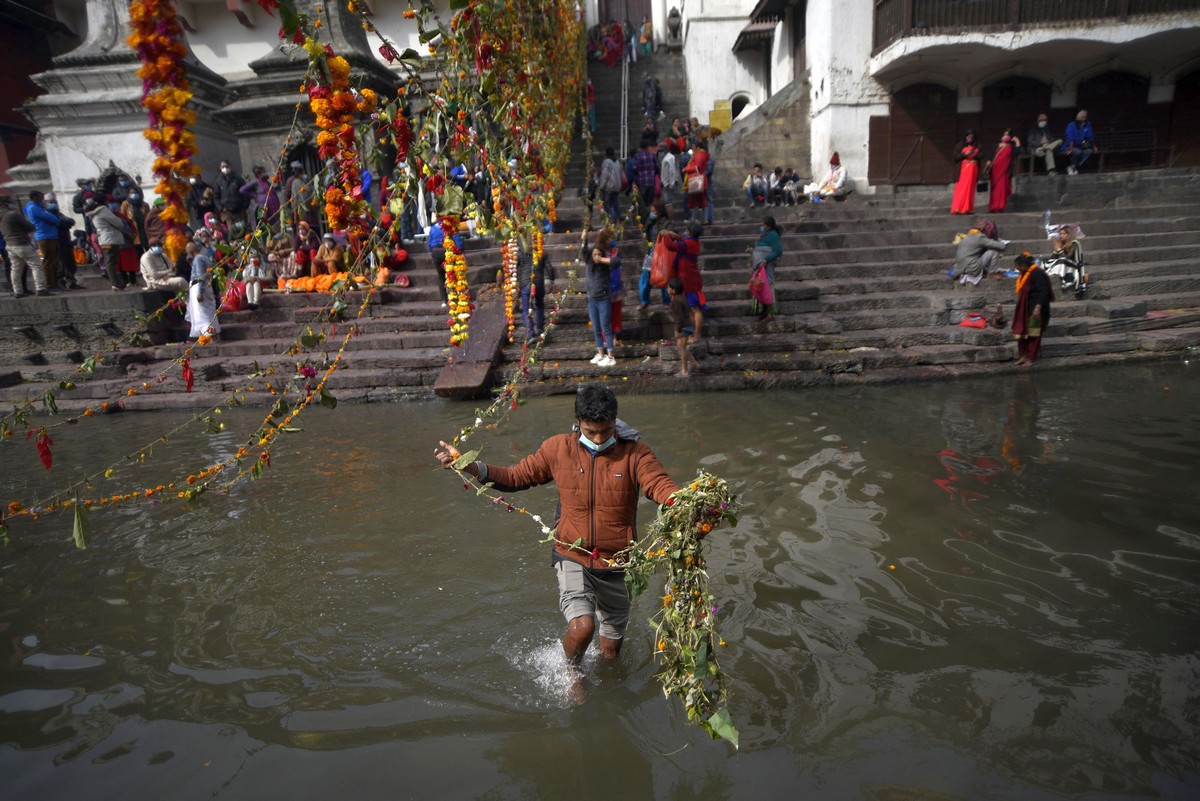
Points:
point(45, 235)
point(1078, 145)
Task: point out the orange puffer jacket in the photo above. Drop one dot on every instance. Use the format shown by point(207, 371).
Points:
point(598, 494)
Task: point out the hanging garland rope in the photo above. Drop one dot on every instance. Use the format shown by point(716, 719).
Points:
point(505, 96)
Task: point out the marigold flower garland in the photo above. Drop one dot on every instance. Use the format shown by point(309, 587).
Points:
point(157, 39)
point(334, 104)
point(508, 260)
point(458, 293)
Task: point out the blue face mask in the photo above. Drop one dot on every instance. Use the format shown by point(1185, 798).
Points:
point(653, 216)
point(52, 206)
point(593, 447)
point(762, 229)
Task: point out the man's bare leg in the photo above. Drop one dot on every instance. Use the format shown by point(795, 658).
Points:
point(577, 638)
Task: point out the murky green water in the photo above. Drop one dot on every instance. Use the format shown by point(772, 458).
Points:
point(359, 626)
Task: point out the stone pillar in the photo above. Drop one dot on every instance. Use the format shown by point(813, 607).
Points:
point(91, 114)
point(263, 113)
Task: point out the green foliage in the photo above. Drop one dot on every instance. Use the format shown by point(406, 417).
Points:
point(685, 632)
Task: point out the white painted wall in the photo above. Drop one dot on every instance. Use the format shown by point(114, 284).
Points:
point(844, 95)
point(714, 71)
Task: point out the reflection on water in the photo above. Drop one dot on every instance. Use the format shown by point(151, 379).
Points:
point(985, 589)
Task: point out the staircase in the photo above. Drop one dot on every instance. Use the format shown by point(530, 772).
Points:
point(864, 298)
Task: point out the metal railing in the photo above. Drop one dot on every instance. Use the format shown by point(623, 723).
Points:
point(624, 137)
point(896, 19)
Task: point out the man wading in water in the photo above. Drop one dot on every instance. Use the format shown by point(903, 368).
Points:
point(600, 469)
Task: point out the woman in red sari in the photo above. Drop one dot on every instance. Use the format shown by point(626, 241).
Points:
point(968, 175)
point(1001, 172)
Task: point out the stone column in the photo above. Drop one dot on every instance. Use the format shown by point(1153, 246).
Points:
point(91, 116)
point(263, 113)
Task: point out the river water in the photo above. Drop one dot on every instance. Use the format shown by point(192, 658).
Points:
point(976, 590)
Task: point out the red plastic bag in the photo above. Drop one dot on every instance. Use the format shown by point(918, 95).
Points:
point(235, 297)
point(760, 287)
point(662, 265)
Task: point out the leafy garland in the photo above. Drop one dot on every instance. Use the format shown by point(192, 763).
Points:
point(685, 629)
point(507, 91)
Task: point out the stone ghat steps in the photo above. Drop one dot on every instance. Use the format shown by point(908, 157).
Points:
point(902, 259)
point(725, 369)
point(372, 366)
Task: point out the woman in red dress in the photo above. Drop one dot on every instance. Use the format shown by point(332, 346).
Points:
point(1001, 172)
point(968, 175)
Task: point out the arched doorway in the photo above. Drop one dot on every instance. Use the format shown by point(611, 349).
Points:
point(738, 104)
point(1013, 102)
point(1185, 122)
point(921, 135)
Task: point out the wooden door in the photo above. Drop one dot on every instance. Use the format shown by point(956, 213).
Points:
point(1185, 122)
point(922, 135)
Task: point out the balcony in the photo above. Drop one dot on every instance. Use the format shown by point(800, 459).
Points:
point(896, 19)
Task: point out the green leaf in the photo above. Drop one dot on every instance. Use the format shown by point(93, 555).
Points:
point(288, 16)
point(635, 583)
point(66, 384)
point(83, 527)
point(4, 535)
point(465, 459)
point(327, 400)
point(88, 366)
point(721, 725)
point(49, 402)
point(311, 340)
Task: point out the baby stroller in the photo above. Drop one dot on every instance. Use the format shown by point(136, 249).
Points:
point(1065, 262)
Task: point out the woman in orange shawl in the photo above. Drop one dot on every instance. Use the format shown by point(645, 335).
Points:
point(1032, 314)
point(968, 175)
point(1001, 172)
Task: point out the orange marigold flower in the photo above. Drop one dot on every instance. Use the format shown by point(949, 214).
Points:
point(15, 507)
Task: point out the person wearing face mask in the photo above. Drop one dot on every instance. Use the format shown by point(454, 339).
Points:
point(111, 232)
point(134, 209)
point(158, 272)
point(120, 192)
point(657, 221)
point(968, 155)
point(256, 273)
point(600, 469)
point(199, 201)
point(66, 248)
point(231, 203)
point(765, 253)
point(1042, 144)
point(45, 236)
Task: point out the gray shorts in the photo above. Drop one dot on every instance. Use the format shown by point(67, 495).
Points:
point(599, 595)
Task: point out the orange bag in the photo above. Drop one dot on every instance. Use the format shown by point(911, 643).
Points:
point(662, 265)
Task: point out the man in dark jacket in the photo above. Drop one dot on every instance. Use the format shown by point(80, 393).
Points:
point(600, 469)
point(231, 203)
point(18, 232)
